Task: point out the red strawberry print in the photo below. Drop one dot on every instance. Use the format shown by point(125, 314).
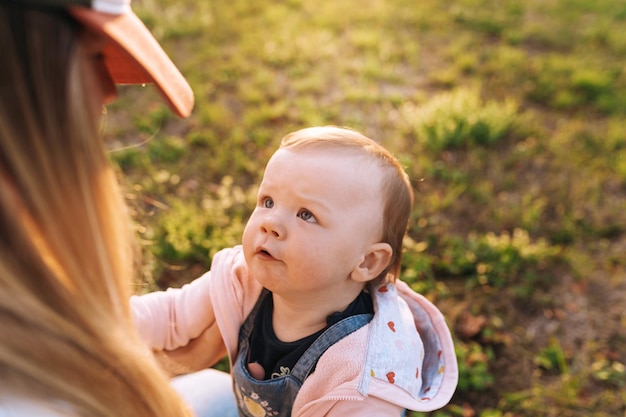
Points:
point(391, 377)
point(392, 326)
point(383, 289)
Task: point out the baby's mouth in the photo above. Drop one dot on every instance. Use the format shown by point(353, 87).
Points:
point(265, 253)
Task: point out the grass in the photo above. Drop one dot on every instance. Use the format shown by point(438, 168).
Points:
point(510, 118)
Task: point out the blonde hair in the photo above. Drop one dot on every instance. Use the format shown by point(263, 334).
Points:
point(66, 334)
point(396, 190)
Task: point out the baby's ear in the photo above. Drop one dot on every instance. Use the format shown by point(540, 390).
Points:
point(376, 259)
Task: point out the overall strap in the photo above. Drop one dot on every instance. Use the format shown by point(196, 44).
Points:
point(246, 329)
point(332, 335)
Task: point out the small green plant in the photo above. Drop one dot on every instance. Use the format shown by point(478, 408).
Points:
point(417, 267)
point(150, 122)
point(497, 260)
point(474, 360)
point(610, 372)
point(195, 232)
point(567, 83)
point(168, 149)
point(552, 358)
point(491, 21)
point(460, 118)
point(129, 158)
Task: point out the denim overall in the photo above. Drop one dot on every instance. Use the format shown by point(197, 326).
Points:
point(275, 397)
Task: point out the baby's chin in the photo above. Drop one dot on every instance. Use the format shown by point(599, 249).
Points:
point(256, 274)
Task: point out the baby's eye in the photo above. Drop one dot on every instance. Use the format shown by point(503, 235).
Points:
point(267, 202)
point(307, 216)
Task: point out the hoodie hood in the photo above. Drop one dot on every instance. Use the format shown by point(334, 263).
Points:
point(423, 364)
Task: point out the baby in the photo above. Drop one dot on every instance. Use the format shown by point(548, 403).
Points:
point(309, 307)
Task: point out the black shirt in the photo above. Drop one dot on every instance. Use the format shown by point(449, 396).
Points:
point(280, 357)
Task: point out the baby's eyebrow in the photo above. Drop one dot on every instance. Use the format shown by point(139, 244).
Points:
point(313, 205)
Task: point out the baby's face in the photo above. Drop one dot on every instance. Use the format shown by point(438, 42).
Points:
point(317, 212)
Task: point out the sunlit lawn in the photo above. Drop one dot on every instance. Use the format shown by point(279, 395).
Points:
point(510, 118)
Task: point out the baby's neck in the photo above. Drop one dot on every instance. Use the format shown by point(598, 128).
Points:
point(293, 321)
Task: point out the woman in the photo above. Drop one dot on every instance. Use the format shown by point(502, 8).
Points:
point(68, 346)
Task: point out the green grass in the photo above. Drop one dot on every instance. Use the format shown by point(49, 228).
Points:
point(510, 118)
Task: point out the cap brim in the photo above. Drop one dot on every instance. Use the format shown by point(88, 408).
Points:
point(135, 57)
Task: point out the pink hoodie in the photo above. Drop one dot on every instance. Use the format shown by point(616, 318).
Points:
point(404, 358)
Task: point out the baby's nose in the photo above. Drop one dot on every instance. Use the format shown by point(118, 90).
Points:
point(271, 225)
